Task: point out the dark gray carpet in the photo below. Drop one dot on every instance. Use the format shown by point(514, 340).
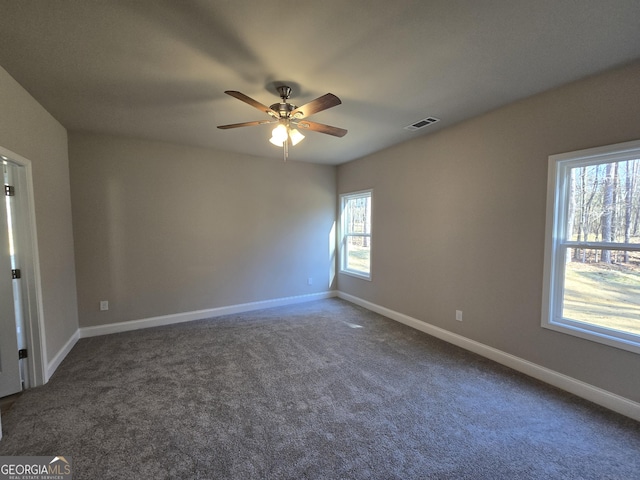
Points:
point(324, 390)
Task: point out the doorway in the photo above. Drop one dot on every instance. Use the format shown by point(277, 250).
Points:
point(21, 334)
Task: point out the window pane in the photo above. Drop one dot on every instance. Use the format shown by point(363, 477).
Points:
point(358, 211)
point(603, 288)
point(358, 253)
point(356, 234)
point(603, 203)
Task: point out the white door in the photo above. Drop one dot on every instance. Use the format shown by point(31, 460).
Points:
point(10, 381)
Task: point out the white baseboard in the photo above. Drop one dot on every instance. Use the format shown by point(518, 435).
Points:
point(60, 356)
point(199, 314)
point(589, 392)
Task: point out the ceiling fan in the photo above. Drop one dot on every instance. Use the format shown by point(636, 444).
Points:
point(289, 116)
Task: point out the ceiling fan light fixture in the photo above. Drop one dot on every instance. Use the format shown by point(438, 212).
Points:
point(276, 142)
point(279, 135)
point(295, 136)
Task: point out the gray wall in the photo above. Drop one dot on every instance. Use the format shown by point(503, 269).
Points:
point(459, 218)
point(30, 131)
point(163, 229)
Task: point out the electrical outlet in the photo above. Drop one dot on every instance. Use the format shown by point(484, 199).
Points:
point(310, 281)
point(459, 315)
point(104, 305)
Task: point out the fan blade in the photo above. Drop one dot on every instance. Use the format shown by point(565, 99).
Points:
point(253, 103)
point(319, 127)
point(246, 124)
point(314, 106)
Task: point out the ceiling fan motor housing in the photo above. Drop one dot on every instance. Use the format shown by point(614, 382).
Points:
point(284, 109)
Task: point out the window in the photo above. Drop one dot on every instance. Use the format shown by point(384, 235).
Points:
point(592, 250)
point(355, 247)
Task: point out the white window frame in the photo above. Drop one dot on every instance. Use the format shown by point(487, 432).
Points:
point(556, 244)
point(344, 198)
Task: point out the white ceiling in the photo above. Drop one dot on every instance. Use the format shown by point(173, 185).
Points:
point(157, 69)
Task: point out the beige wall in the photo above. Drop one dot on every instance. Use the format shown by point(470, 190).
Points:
point(459, 216)
point(163, 229)
point(30, 131)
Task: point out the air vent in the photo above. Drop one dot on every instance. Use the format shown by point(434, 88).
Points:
point(422, 123)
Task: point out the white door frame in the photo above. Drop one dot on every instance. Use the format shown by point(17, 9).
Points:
point(26, 236)
point(10, 377)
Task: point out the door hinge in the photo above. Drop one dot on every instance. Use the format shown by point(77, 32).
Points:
point(9, 190)
point(22, 353)
point(16, 273)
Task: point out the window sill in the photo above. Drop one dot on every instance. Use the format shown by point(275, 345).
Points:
point(587, 333)
point(353, 273)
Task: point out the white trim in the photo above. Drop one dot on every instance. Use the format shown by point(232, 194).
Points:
point(606, 153)
point(584, 390)
point(33, 309)
point(200, 314)
point(61, 355)
point(356, 274)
